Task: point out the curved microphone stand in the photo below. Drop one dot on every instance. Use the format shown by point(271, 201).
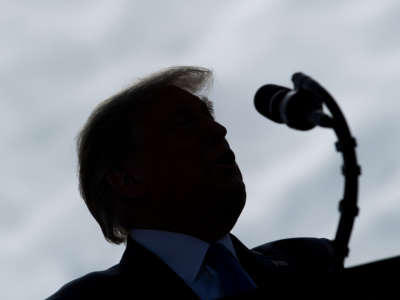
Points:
point(351, 170)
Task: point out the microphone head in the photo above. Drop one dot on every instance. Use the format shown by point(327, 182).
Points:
point(267, 101)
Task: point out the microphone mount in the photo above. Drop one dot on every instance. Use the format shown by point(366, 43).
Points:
point(346, 145)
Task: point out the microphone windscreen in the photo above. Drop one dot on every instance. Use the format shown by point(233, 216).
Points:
point(267, 101)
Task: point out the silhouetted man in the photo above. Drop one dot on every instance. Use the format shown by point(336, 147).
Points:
point(157, 173)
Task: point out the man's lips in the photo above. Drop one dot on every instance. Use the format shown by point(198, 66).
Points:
point(225, 161)
point(226, 157)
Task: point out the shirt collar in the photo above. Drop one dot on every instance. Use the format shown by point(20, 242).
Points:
point(183, 253)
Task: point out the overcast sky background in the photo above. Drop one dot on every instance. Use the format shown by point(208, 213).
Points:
point(60, 58)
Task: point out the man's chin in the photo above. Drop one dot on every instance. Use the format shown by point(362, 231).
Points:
point(231, 205)
point(235, 189)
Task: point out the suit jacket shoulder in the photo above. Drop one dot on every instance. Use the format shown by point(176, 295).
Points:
point(90, 285)
point(140, 274)
point(300, 254)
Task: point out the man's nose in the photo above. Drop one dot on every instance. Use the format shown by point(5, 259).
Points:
point(216, 133)
point(221, 129)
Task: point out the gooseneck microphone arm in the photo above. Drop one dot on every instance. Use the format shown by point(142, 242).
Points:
point(351, 170)
point(302, 109)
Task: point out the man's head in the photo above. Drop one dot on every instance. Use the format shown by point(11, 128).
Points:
point(150, 157)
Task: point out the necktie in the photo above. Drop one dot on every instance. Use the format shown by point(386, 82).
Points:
point(233, 280)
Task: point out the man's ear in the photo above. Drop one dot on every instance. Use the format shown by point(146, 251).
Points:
point(124, 184)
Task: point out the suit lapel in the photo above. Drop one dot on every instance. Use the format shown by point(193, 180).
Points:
point(259, 267)
point(146, 271)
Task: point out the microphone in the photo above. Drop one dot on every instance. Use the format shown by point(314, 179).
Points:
point(298, 109)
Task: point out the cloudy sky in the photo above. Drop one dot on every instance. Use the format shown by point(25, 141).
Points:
point(59, 59)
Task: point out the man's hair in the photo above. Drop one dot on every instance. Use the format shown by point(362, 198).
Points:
point(108, 137)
